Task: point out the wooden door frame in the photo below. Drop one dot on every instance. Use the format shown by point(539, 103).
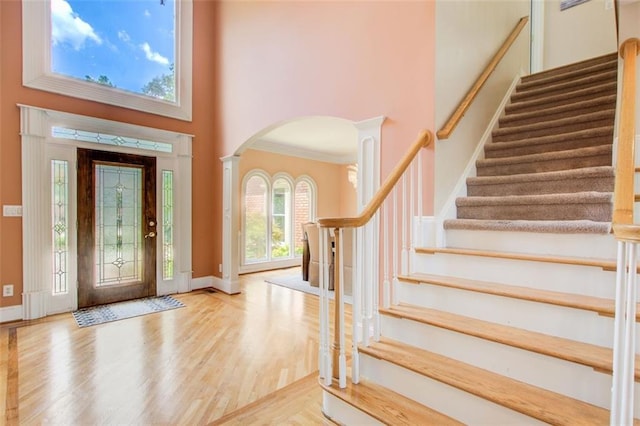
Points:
point(88, 295)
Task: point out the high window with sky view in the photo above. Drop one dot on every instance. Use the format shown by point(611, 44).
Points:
point(129, 45)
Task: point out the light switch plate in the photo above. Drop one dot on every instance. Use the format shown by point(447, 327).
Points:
point(11, 210)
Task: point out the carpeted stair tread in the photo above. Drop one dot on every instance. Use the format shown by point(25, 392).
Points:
point(596, 206)
point(586, 197)
point(387, 406)
point(606, 88)
point(564, 181)
point(541, 404)
point(576, 66)
point(596, 357)
point(550, 158)
point(610, 65)
point(564, 86)
point(538, 226)
point(546, 162)
point(557, 126)
point(560, 111)
point(559, 142)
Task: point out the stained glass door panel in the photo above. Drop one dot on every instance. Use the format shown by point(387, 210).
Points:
point(116, 227)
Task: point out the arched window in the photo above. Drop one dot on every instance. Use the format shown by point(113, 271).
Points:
point(273, 213)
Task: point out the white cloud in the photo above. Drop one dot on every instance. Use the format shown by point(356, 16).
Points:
point(67, 26)
point(153, 56)
point(147, 14)
point(122, 35)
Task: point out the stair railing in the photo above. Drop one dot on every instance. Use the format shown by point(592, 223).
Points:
point(396, 204)
point(628, 235)
point(466, 102)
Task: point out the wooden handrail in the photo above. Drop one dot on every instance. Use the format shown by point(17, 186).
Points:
point(457, 115)
point(625, 164)
point(424, 139)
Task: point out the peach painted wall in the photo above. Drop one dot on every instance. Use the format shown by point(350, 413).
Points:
point(348, 194)
point(353, 60)
point(207, 169)
point(331, 179)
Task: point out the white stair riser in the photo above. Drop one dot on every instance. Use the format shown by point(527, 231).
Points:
point(542, 318)
point(571, 245)
point(343, 413)
point(590, 281)
point(453, 402)
point(565, 377)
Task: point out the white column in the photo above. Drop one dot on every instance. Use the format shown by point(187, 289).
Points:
point(230, 225)
point(183, 214)
point(36, 264)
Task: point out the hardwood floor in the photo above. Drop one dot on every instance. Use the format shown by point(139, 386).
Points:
point(245, 359)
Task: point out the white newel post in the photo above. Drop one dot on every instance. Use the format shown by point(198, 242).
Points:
point(369, 134)
point(35, 210)
point(230, 224)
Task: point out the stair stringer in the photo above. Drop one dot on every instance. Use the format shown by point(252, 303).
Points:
point(449, 210)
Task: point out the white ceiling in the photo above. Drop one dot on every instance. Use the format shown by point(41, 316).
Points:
point(327, 139)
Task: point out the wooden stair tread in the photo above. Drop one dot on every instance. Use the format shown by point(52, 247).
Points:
point(387, 406)
point(599, 305)
point(606, 264)
point(596, 357)
point(541, 404)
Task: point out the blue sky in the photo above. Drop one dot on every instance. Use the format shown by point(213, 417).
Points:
point(129, 41)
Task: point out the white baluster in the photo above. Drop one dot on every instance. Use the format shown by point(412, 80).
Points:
point(404, 267)
point(385, 256)
point(356, 315)
point(619, 325)
point(630, 337)
point(395, 237)
point(419, 226)
point(342, 365)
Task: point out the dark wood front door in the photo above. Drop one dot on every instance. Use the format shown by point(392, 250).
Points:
point(116, 227)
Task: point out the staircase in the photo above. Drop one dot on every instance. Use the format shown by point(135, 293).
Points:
point(512, 322)
point(548, 166)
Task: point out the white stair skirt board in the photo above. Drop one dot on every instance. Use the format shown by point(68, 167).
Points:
point(565, 377)
point(446, 399)
point(592, 281)
point(539, 317)
point(343, 413)
point(571, 245)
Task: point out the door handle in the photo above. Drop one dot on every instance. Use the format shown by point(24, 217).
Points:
point(150, 235)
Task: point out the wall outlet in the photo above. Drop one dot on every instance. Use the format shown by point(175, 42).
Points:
point(7, 290)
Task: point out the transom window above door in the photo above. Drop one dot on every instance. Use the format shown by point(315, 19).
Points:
point(129, 53)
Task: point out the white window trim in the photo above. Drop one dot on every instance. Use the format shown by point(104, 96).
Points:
point(38, 148)
point(37, 74)
point(292, 260)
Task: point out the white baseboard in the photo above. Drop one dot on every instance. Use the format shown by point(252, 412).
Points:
point(11, 313)
point(225, 286)
point(201, 282)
